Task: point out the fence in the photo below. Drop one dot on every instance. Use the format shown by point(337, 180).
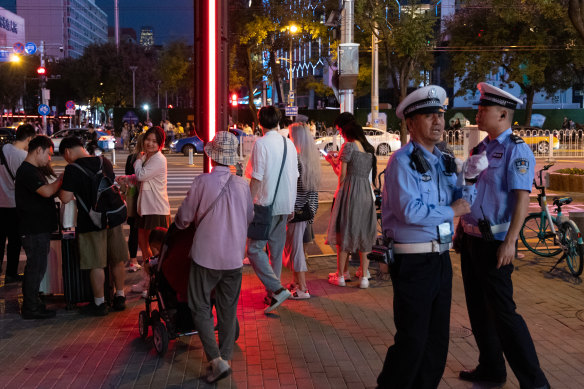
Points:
point(565, 143)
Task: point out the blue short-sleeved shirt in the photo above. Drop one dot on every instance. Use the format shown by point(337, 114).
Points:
point(511, 167)
point(414, 203)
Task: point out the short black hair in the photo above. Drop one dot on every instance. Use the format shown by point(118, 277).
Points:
point(343, 119)
point(42, 141)
point(70, 142)
point(269, 117)
point(25, 131)
point(158, 133)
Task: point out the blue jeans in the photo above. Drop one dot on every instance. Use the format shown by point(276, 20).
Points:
point(268, 269)
point(36, 247)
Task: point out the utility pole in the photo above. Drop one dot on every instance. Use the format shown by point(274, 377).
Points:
point(117, 24)
point(44, 91)
point(348, 58)
point(133, 69)
point(374, 78)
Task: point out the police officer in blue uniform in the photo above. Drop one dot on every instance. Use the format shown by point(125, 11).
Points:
point(488, 247)
point(420, 200)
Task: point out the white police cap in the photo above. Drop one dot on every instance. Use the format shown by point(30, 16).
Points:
point(429, 99)
point(491, 95)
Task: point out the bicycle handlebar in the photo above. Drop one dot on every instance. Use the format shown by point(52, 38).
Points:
point(540, 172)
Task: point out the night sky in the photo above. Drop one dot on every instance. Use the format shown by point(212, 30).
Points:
point(171, 19)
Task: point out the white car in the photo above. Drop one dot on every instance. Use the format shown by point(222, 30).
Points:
point(383, 142)
point(104, 141)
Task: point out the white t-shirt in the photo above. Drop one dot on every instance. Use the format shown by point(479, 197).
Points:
point(14, 157)
point(264, 165)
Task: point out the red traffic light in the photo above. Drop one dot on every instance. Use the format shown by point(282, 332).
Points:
point(233, 100)
point(170, 106)
point(41, 71)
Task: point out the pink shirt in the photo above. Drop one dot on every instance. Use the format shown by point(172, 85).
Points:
point(219, 241)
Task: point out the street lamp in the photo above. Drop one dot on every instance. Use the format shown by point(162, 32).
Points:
point(133, 69)
point(147, 109)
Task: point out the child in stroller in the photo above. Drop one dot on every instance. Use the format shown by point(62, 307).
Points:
point(169, 279)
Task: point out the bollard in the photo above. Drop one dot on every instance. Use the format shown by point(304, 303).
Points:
point(551, 148)
point(190, 155)
point(114, 156)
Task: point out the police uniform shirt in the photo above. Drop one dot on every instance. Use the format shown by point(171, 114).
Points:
point(511, 167)
point(415, 203)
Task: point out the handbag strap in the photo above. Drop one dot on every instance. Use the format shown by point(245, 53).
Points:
point(215, 201)
point(281, 169)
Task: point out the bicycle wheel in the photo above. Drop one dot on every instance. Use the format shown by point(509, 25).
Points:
point(574, 252)
point(538, 237)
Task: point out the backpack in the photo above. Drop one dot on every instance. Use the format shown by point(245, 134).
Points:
point(108, 208)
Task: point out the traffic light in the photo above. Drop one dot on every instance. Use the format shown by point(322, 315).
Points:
point(41, 71)
point(233, 100)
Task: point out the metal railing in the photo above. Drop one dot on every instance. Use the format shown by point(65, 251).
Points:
point(565, 143)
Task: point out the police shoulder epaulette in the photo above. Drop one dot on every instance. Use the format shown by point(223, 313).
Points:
point(516, 139)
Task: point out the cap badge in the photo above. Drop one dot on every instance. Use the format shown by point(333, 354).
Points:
point(432, 93)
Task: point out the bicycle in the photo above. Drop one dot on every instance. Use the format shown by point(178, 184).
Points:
point(548, 236)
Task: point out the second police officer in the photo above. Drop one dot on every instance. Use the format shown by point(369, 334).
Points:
point(420, 200)
point(488, 247)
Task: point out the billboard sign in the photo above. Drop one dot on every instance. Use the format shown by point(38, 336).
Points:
point(11, 28)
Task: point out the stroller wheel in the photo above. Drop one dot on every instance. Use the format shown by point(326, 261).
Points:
point(154, 316)
point(143, 324)
point(160, 337)
point(236, 329)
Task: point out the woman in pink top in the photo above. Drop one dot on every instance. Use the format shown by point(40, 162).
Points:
point(151, 172)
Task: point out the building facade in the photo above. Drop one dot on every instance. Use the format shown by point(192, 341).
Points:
point(147, 36)
point(12, 30)
point(66, 27)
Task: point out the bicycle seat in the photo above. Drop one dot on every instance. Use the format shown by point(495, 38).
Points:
point(563, 201)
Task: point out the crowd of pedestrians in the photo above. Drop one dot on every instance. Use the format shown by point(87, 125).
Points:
point(268, 219)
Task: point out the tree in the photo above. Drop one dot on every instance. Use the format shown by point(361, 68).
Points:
point(260, 33)
point(528, 42)
point(576, 13)
point(405, 34)
point(175, 70)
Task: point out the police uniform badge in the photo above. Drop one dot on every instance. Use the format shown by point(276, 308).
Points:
point(521, 165)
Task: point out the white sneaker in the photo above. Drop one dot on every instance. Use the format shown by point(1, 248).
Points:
point(359, 274)
point(134, 267)
point(364, 283)
point(336, 280)
point(300, 295)
point(277, 299)
point(346, 275)
point(144, 294)
point(219, 370)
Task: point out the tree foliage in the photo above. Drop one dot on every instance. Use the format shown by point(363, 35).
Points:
point(576, 13)
point(405, 34)
point(526, 42)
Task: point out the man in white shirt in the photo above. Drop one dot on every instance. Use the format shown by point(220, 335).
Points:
point(263, 169)
point(13, 155)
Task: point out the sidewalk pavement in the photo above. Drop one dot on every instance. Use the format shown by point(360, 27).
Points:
point(336, 339)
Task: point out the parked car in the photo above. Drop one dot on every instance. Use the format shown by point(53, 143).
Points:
point(538, 143)
point(7, 135)
point(383, 142)
point(105, 142)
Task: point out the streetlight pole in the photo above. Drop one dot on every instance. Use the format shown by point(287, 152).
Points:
point(158, 93)
point(133, 69)
point(290, 102)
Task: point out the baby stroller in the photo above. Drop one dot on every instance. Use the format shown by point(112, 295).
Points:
point(169, 280)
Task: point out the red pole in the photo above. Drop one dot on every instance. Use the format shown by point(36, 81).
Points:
point(211, 72)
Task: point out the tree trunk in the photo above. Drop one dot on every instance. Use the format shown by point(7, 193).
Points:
point(576, 14)
point(250, 87)
point(403, 92)
point(529, 93)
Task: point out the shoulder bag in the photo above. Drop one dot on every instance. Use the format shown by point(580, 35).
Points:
point(259, 229)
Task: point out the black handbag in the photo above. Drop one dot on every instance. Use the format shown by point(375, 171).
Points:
point(308, 210)
point(259, 228)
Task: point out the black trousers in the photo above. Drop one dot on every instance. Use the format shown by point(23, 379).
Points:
point(422, 287)
point(36, 247)
point(9, 230)
point(497, 327)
